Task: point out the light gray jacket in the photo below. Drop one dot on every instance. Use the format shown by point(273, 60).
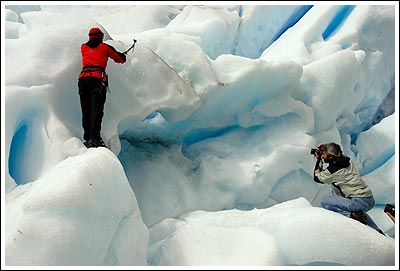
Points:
point(343, 176)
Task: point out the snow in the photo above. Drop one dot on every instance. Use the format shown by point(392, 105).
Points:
point(258, 242)
point(209, 125)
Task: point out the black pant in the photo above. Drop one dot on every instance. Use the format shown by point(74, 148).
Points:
point(93, 98)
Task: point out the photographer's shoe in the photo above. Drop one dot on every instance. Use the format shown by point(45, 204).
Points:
point(359, 216)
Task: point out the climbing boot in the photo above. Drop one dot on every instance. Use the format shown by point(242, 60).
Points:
point(94, 143)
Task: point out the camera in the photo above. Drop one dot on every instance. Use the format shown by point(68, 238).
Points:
point(314, 151)
point(389, 209)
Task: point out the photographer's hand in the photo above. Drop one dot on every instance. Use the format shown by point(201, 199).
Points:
point(391, 217)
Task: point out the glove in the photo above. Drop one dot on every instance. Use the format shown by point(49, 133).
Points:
point(122, 55)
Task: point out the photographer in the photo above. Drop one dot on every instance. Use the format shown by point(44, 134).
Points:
point(351, 196)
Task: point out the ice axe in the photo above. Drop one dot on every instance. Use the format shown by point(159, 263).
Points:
point(133, 45)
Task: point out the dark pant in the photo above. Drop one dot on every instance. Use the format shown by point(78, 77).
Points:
point(93, 98)
point(345, 206)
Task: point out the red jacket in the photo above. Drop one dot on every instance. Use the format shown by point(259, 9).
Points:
point(95, 58)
